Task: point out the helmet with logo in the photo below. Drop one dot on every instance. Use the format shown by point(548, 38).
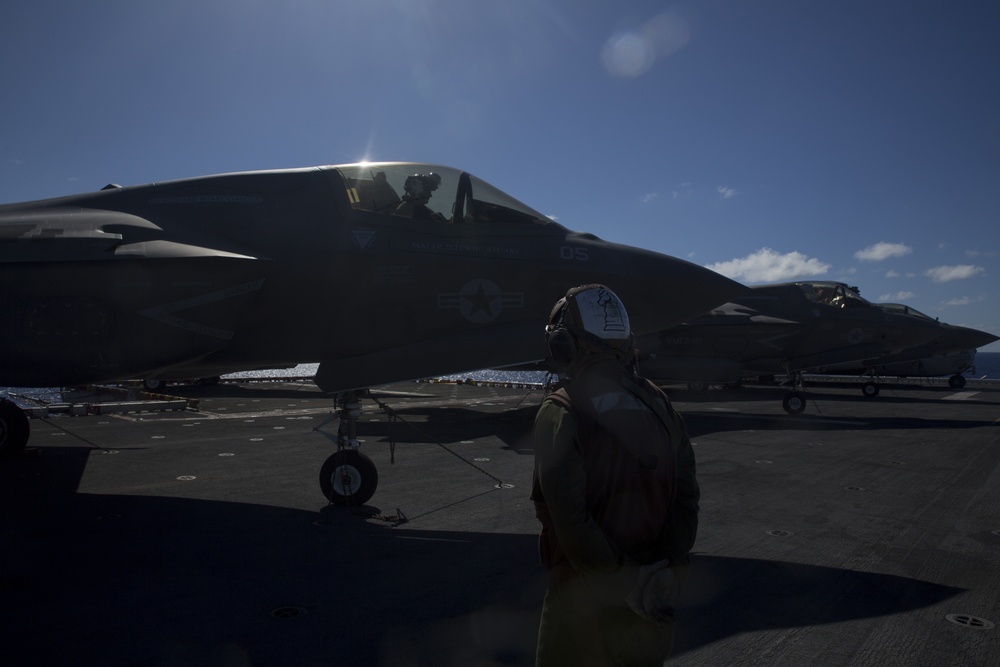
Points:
point(589, 320)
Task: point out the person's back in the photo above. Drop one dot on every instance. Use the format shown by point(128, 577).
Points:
point(615, 490)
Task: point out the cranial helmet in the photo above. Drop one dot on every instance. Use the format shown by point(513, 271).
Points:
point(420, 186)
point(590, 319)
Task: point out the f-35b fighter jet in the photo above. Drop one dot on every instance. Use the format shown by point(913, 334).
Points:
point(378, 272)
point(783, 328)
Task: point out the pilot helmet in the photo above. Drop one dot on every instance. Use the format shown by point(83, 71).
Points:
point(420, 186)
point(589, 319)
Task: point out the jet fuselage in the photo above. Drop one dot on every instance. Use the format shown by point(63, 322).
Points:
point(351, 266)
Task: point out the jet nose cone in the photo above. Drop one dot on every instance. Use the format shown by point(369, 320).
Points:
point(660, 291)
point(969, 339)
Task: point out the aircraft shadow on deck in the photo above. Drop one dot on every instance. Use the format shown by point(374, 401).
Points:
point(704, 423)
point(450, 424)
point(513, 426)
point(728, 596)
point(132, 579)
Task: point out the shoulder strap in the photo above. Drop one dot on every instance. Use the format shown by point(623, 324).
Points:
point(559, 396)
point(584, 423)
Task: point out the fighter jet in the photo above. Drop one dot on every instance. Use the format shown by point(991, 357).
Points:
point(784, 328)
point(378, 271)
point(951, 352)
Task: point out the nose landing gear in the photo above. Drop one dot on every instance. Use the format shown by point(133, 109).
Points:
point(348, 477)
point(794, 401)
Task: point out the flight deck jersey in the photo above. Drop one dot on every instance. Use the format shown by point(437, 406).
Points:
point(614, 479)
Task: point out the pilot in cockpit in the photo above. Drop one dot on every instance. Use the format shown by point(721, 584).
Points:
point(417, 192)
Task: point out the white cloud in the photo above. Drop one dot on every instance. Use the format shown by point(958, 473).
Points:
point(961, 301)
point(891, 274)
point(681, 190)
point(972, 254)
point(766, 265)
point(650, 197)
point(882, 250)
point(726, 192)
point(943, 274)
point(902, 295)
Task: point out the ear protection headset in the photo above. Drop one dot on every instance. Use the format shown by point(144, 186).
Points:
point(561, 343)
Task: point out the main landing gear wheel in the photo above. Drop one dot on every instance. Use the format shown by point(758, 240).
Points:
point(794, 402)
point(869, 389)
point(14, 429)
point(348, 477)
point(154, 384)
point(956, 381)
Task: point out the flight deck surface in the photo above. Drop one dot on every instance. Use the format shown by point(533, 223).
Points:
point(865, 531)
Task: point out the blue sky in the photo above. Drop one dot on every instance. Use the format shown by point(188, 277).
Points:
point(770, 140)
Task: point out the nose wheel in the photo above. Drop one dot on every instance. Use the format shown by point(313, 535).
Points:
point(869, 389)
point(348, 477)
point(794, 401)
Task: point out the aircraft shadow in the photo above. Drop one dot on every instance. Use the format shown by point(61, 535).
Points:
point(448, 424)
point(727, 596)
point(151, 580)
point(703, 423)
point(454, 424)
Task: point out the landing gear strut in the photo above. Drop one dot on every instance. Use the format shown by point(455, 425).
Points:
point(348, 477)
point(794, 401)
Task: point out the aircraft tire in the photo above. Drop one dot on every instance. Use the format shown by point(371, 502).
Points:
point(154, 384)
point(794, 402)
point(14, 429)
point(697, 386)
point(956, 381)
point(869, 389)
point(348, 477)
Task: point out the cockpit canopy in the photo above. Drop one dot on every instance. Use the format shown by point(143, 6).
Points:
point(433, 193)
point(834, 294)
point(905, 310)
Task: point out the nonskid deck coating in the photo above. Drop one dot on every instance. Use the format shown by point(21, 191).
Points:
point(862, 532)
